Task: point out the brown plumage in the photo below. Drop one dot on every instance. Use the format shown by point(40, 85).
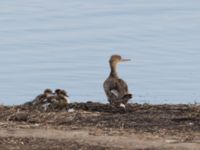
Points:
point(59, 100)
point(62, 94)
point(42, 98)
point(115, 88)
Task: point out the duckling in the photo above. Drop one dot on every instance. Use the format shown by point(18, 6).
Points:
point(61, 99)
point(43, 97)
point(64, 94)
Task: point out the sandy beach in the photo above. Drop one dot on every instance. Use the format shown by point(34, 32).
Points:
point(100, 126)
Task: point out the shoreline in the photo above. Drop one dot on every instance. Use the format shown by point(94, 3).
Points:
point(99, 126)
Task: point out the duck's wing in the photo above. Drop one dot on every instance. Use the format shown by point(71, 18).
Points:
point(125, 95)
point(113, 90)
point(117, 91)
point(123, 87)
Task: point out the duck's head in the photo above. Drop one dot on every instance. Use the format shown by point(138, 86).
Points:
point(57, 91)
point(48, 92)
point(116, 59)
point(60, 92)
point(64, 93)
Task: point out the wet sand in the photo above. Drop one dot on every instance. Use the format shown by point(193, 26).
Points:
point(100, 126)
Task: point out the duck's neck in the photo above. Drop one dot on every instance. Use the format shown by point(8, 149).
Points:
point(113, 72)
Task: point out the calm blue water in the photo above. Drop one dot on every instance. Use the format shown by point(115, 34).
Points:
point(67, 43)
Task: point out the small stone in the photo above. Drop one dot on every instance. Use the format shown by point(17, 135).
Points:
point(171, 141)
point(71, 110)
point(19, 116)
point(191, 123)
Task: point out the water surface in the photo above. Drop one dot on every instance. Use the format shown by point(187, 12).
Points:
point(67, 43)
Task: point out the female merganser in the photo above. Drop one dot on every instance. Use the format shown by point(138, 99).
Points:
point(115, 88)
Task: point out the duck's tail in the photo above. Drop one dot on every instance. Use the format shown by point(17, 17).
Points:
point(126, 98)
